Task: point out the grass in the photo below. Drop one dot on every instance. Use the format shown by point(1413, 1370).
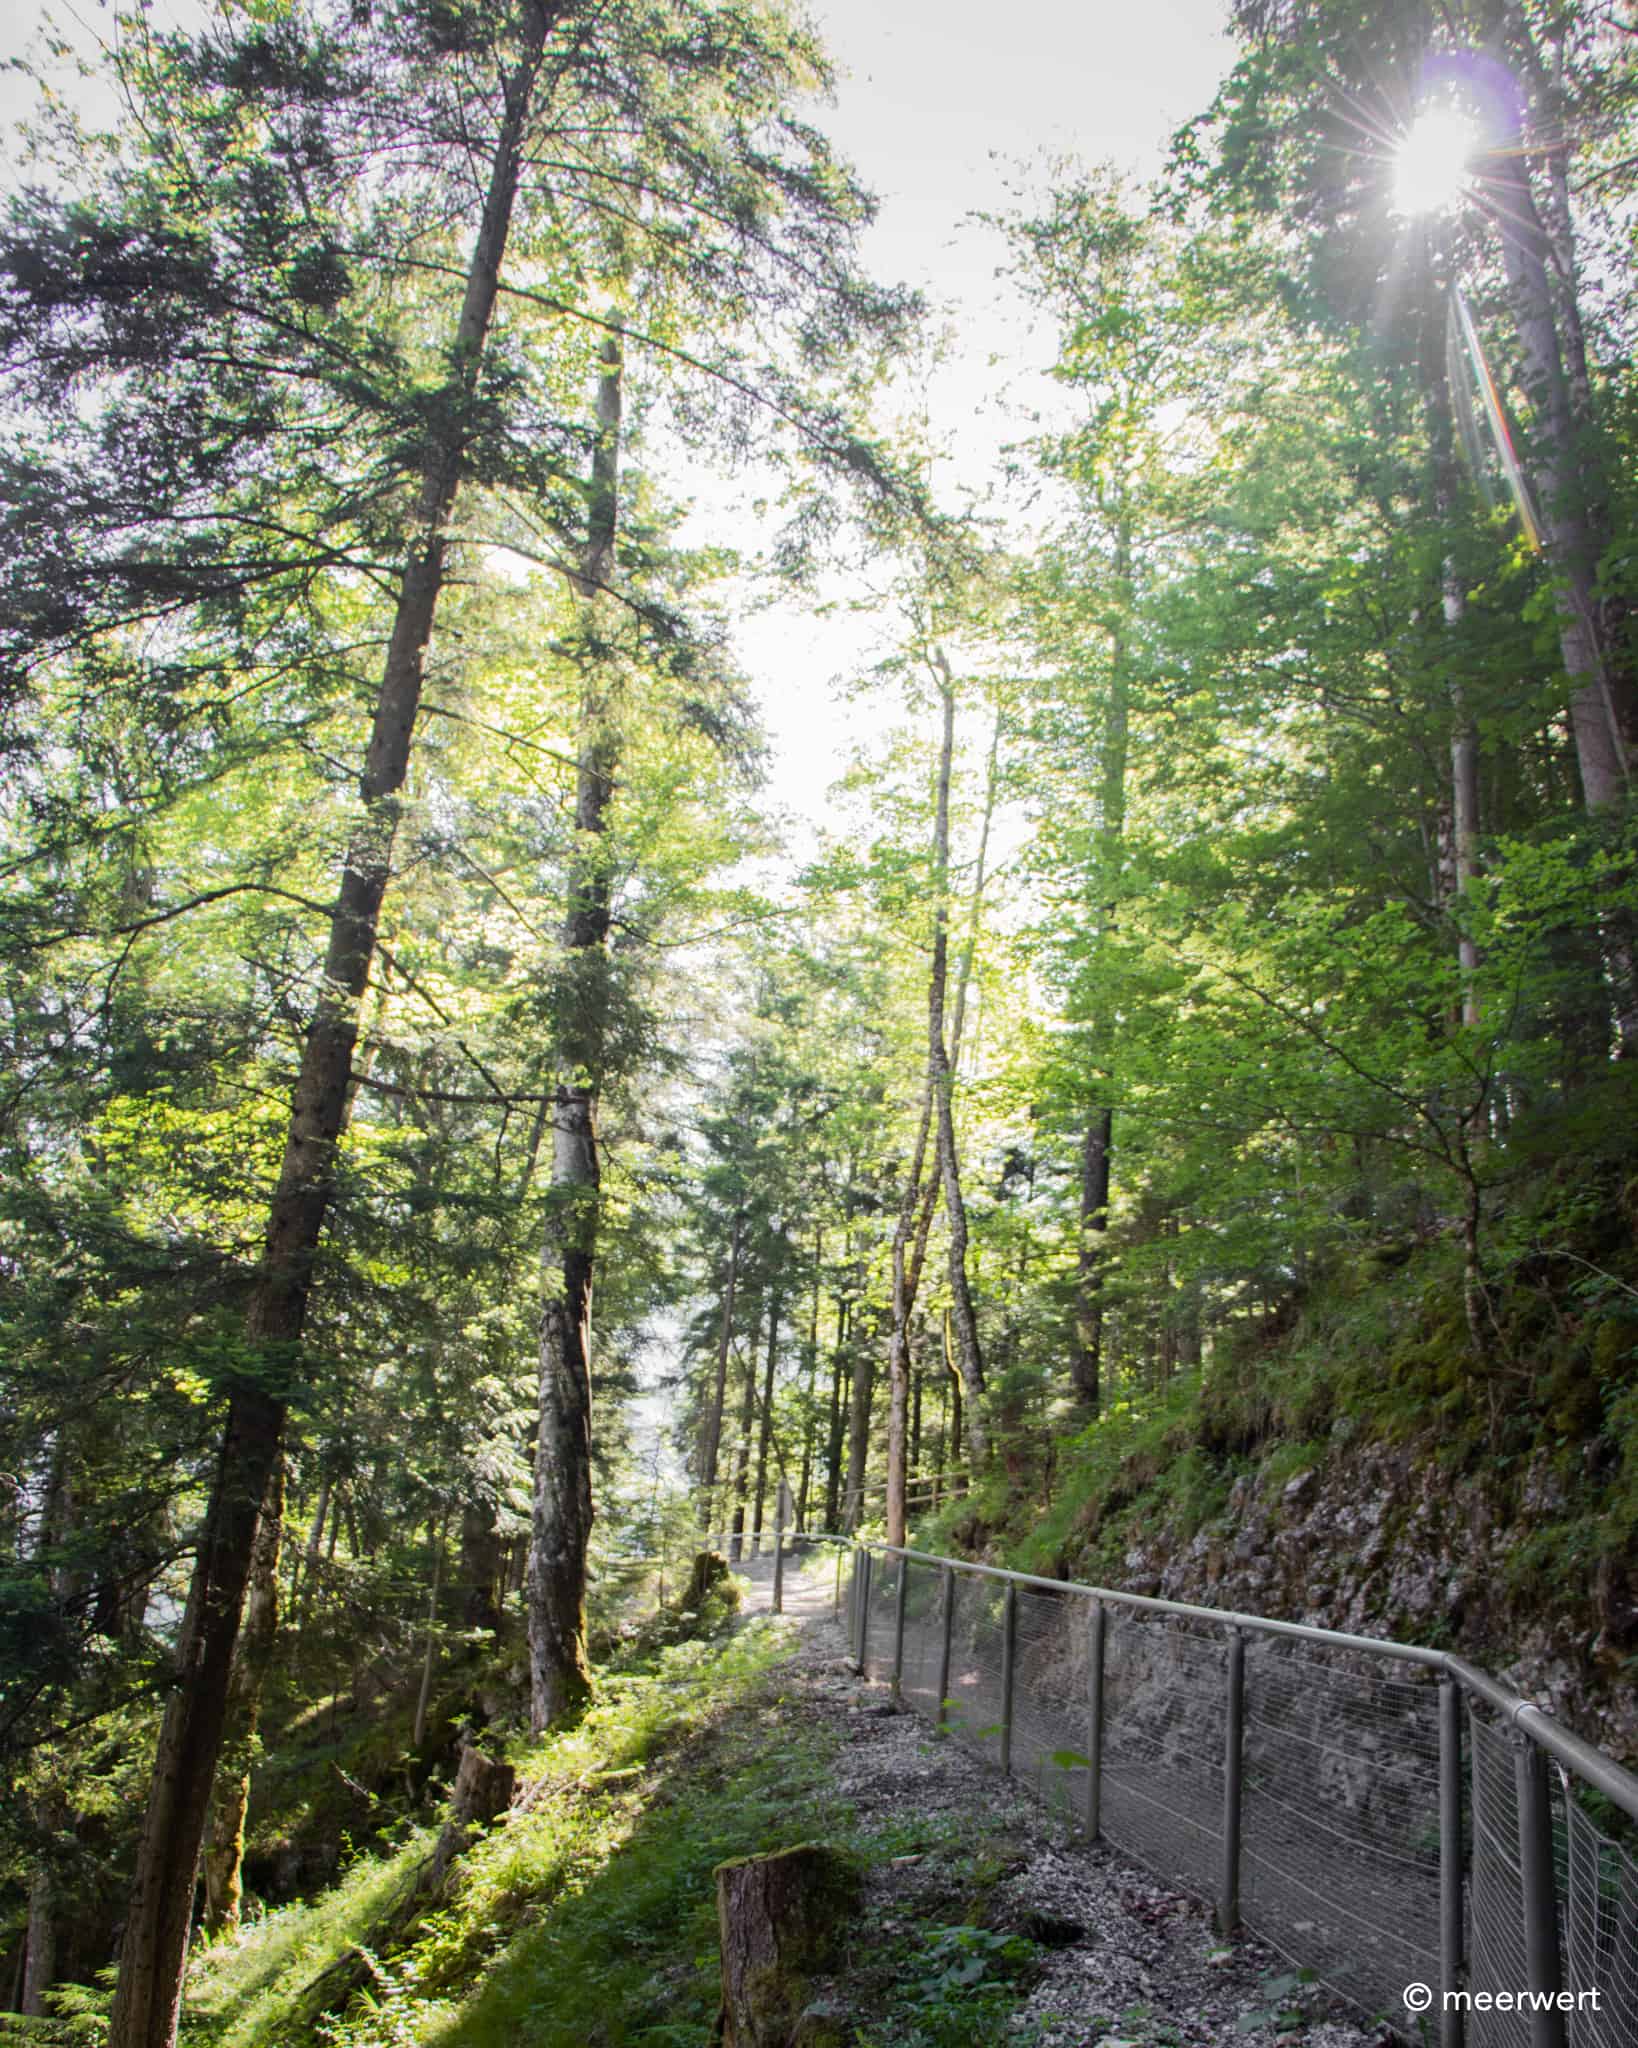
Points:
point(589, 1918)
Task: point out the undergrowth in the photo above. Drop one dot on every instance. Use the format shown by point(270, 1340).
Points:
point(587, 1918)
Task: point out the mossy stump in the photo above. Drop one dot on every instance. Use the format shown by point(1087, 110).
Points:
point(781, 1919)
point(483, 1790)
point(710, 1571)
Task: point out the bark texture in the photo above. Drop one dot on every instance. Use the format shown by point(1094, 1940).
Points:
point(225, 1843)
point(483, 1791)
point(1098, 1138)
point(153, 1955)
point(969, 1353)
point(561, 1513)
point(711, 1421)
point(780, 1919)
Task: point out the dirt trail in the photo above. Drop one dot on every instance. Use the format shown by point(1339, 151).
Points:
point(1126, 1960)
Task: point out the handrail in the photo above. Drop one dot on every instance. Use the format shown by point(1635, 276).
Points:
point(1514, 1885)
point(1411, 1653)
point(1600, 1771)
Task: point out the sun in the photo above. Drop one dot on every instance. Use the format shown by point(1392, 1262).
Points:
point(1433, 160)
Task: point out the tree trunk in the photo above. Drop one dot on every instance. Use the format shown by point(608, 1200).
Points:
point(1098, 1139)
point(481, 1567)
point(561, 1517)
point(711, 1424)
point(898, 1343)
point(301, 1580)
point(742, 1445)
point(1602, 708)
point(969, 1354)
point(953, 1372)
point(437, 1531)
point(153, 1956)
point(1096, 1144)
point(225, 1839)
point(860, 1398)
point(915, 1219)
point(837, 1429)
point(483, 1791)
point(810, 1415)
point(765, 1430)
point(40, 1961)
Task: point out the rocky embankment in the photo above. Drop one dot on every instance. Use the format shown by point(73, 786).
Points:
point(1381, 1541)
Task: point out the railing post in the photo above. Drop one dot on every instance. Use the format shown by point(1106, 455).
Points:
point(898, 1628)
point(1540, 1892)
point(1234, 1722)
point(1097, 1628)
point(946, 1622)
point(862, 1580)
point(1451, 1861)
point(1009, 1657)
point(836, 1604)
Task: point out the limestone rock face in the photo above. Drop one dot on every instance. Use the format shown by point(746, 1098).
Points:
point(1380, 1541)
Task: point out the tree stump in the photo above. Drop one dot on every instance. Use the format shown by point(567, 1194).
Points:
point(710, 1569)
point(780, 1918)
point(483, 1789)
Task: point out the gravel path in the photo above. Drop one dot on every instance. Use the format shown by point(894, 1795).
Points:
point(1126, 1961)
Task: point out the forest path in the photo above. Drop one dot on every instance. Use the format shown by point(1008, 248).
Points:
point(1123, 1960)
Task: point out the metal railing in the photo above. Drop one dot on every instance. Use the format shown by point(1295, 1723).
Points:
point(1387, 1816)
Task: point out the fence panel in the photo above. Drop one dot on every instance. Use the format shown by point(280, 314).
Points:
point(1495, 1885)
point(885, 1573)
point(1050, 1738)
point(1599, 1891)
point(1341, 1818)
point(1340, 1859)
point(923, 1631)
point(973, 1716)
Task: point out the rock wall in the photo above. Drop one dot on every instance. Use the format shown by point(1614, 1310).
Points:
point(1381, 1541)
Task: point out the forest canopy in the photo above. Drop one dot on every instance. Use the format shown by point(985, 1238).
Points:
point(452, 1146)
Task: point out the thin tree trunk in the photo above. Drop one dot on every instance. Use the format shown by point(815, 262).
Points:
point(148, 1995)
point(810, 1419)
point(561, 1516)
point(481, 1569)
point(915, 1219)
point(711, 1424)
point(301, 1586)
point(953, 1372)
point(225, 1838)
point(742, 1445)
point(969, 1354)
point(834, 1435)
point(861, 1395)
point(40, 1963)
point(765, 1431)
point(1602, 710)
point(429, 1661)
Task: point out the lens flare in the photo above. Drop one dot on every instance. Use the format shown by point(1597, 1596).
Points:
point(1432, 161)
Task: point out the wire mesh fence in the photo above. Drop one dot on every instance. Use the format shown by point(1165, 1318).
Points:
point(1324, 1790)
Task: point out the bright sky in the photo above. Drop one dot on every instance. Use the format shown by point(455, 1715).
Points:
point(942, 106)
